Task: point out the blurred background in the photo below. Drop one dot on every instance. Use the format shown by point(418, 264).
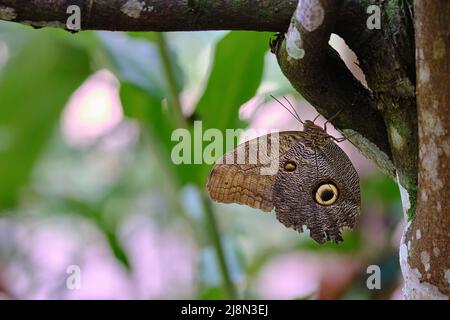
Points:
point(86, 177)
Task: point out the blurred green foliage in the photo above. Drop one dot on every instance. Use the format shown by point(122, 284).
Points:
point(44, 67)
point(237, 56)
point(35, 84)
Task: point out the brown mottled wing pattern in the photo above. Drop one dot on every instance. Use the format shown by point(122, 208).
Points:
point(241, 181)
point(296, 209)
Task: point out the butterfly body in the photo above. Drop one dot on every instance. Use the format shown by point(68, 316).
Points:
point(315, 185)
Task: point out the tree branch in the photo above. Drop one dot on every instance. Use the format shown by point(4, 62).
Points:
point(155, 15)
point(318, 73)
point(386, 57)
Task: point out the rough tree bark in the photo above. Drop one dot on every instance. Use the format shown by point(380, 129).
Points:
point(424, 255)
point(381, 120)
point(154, 15)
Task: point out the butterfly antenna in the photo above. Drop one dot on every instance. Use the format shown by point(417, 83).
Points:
point(292, 114)
point(314, 120)
point(293, 108)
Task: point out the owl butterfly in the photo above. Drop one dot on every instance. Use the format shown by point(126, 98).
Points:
point(315, 185)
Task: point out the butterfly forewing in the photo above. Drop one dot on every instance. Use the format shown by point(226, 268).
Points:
point(241, 180)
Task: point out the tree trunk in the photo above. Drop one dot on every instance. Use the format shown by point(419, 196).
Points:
point(424, 255)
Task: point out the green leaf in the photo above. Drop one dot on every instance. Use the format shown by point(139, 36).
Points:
point(117, 248)
point(143, 87)
point(155, 119)
point(212, 293)
point(379, 188)
point(137, 61)
point(234, 79)
point(35, 84)
point(235, 76)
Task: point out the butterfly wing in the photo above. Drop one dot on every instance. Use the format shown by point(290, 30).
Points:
point(294, 192)
point(237, 178)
